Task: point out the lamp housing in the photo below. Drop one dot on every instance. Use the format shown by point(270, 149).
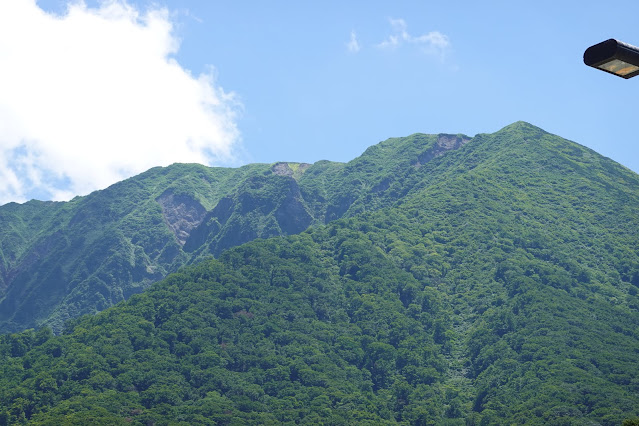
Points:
point(614, 57)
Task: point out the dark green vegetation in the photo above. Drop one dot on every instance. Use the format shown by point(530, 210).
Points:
point(62, 260)
point(494, 283)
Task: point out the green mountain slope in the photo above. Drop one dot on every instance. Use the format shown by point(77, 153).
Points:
point(62, 260)
point(65, 259)
point(496, 283)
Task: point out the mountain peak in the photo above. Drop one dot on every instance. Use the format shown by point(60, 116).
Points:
point(523, 128)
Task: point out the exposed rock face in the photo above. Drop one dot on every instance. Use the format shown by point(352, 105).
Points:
point(444, 144)
point(282, 169)
point(285, 169)
point(447, 142)
point(182, 214)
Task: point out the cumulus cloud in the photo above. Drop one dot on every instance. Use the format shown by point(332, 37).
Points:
point(94, 95)
point(353, 44)
point(433, 42)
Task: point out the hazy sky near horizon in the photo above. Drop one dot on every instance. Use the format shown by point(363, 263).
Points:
point(94, 92)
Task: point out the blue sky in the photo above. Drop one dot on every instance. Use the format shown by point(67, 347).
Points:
point(306, 81)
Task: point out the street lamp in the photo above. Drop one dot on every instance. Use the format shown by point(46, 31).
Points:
point(615, 57)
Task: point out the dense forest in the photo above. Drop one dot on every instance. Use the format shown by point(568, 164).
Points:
point(61, 260)
point(495, 282)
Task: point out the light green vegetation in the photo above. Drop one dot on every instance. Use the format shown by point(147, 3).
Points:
point(496, 283)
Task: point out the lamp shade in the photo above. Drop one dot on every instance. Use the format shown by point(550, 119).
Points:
point(615, 57)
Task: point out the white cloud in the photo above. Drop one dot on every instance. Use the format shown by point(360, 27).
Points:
point(94, 96)
point(433, 42)
point(353, 44)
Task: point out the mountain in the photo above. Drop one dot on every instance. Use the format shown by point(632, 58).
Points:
point(62, 260)
point(443, 280)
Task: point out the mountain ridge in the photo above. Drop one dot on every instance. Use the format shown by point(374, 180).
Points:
point(495, 284)
point(91, 252)
point(202, 216)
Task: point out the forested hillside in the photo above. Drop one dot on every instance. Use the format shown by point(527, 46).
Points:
point(491, 281)
point(62, 260)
